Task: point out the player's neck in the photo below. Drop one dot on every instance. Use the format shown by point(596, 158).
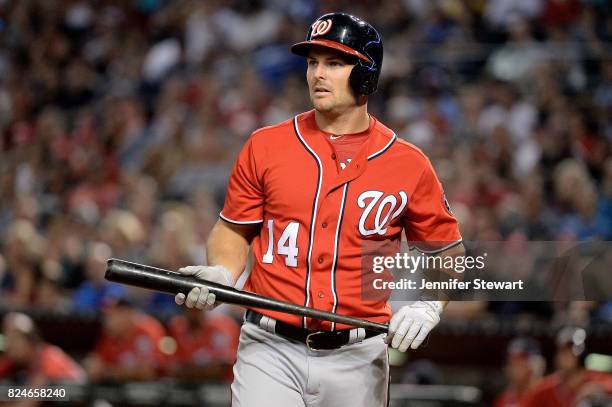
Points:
point(354, 120)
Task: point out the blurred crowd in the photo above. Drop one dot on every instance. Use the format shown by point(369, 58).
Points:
point(570, 384)
point(120, 121)
point(195, 347)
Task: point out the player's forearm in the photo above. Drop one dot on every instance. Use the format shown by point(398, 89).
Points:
point(445, 272)
point(456, 251)
point(228, 246)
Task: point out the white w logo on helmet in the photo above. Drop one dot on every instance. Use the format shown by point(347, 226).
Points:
point(321, 27)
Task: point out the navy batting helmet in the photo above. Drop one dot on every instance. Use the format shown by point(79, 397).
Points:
point(354, 37)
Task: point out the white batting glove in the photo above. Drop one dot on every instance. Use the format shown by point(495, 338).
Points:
point(200, 297)
point(411, 324)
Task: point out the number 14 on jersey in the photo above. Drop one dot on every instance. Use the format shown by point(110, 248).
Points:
point(286, 244)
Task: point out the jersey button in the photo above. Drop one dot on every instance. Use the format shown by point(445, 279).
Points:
point(324, 224)
point(333, 156)
point(320, 259)
point(321, 295)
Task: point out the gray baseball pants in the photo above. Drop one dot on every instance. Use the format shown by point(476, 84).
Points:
point(273, 371)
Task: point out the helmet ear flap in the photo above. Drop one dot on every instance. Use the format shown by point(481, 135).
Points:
point(363, 78)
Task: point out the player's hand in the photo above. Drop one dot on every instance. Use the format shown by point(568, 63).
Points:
point(200, 297)
point(411, 324)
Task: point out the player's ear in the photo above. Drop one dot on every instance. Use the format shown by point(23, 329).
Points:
point(361, 99)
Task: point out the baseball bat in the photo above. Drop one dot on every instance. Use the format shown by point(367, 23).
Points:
point(171, 282)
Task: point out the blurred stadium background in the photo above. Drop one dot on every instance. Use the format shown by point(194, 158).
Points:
point(119, 124)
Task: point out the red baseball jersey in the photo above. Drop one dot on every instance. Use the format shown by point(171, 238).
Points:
point(53, 365)
point(139, 345)
point(214, 341)
point(551, 391)
point(316, 220)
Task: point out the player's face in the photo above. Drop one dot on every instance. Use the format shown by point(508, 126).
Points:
point(18, 347)
point(328, 80)
point(117, 321)
point(565, 360)
point(518, 369)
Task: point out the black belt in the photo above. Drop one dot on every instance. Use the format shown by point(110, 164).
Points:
point(314, 340)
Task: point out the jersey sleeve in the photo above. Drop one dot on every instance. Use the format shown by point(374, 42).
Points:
point(428, 221)
point(244, 198)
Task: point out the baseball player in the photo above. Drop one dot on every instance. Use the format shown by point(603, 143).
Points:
point(306, 195)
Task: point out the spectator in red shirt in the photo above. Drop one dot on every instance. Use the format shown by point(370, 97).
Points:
point(524, 367)
point(206, 345)
point(561, 13)
point(129, 347)
point(571, 385)
point(30, 361)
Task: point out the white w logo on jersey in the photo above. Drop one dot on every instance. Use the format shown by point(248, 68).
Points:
point(385, 211)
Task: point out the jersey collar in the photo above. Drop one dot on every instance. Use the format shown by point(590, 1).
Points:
point(379, 141)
